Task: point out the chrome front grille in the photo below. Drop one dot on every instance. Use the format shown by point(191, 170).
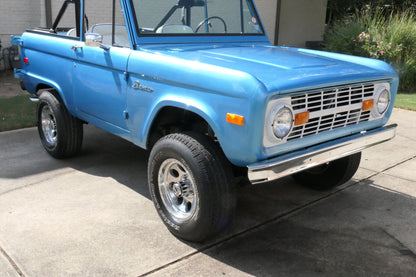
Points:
point(332, 98)
point(331, 109)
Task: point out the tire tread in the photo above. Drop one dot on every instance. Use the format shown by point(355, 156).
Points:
point(70, 133)
point(215, 170)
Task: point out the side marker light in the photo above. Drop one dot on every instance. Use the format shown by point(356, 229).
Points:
point(26, 60)
point(235, 119)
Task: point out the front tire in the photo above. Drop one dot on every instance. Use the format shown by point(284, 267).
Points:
point(191, 186)
point(60, 132)
point(330, 175)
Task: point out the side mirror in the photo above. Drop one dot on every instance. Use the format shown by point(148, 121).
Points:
point(95, 40)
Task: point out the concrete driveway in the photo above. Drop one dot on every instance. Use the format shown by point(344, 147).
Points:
point(92, 216)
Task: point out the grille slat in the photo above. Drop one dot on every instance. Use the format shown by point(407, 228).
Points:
point(330, 110)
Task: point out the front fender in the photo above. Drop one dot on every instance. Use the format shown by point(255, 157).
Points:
point(204, 111)
point(237, 142)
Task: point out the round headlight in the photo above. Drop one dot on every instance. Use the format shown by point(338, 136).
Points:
point(383, 101)
point(282, 123)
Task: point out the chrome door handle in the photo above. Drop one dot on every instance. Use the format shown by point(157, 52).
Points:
point(75, 47)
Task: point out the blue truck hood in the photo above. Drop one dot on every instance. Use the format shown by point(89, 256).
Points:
point(281, 68)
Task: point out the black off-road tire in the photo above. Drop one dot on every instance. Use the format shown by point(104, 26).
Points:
point(207, 191)
point(329, 175)
point(60, 132)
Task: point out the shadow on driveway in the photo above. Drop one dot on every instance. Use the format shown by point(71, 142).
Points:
point(63, 217)
point(102, 154)
point(360, 231)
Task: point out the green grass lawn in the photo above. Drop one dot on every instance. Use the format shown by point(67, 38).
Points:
point(17, 112)
point(406, 101)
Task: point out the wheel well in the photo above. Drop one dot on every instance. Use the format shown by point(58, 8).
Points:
point(55, 92)
point(174, 120)
point(52, 90)
point(42, 86)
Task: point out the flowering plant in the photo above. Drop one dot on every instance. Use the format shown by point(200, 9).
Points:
point(374, 48)
point(377, 35)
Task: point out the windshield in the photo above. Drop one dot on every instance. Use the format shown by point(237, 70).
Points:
point(196, 17)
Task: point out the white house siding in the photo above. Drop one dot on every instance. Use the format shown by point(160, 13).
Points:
point(16, 16)
point(301, 21)
point(267, 10)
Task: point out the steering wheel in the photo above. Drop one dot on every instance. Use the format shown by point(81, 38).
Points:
point(206, 20)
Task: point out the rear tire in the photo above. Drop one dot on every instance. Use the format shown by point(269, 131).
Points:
point(60, 132)
point(191, 186)
point(330, 175)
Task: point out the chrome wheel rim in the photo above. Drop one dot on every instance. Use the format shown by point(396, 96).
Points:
point(48, 123)
point(177, 189)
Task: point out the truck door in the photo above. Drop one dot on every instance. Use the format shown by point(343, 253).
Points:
point(99, 72)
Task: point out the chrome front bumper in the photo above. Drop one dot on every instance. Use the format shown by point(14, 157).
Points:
point(297, 161)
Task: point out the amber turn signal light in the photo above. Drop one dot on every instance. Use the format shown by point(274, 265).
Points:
point(368, 105)
point(301, 118)
point(235, 119)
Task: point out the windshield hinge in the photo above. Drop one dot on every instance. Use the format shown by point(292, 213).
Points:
point(16, 41)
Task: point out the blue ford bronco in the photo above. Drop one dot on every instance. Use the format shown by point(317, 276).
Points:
point(198, 83)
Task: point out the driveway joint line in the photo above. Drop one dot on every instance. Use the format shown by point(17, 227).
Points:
point(399, 177)
point(412, 253)
point(393, 191)
point(12, 262)
point(390, 167)
point(406, 137)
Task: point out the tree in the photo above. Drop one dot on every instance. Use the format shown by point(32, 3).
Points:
point(339, 9)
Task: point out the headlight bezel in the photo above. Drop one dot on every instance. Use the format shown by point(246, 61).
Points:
point(382, 108)
point(273, 110)
point(283, 113)
point(380, 90)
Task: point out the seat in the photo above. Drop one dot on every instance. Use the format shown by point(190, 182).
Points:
point(72, 32)
point(174, 29)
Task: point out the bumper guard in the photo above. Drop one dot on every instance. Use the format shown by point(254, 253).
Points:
point(294, 162)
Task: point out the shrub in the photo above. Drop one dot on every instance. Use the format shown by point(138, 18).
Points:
point(391, 38)
point(401, 32)
point(338, 9)
point(340, 38)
